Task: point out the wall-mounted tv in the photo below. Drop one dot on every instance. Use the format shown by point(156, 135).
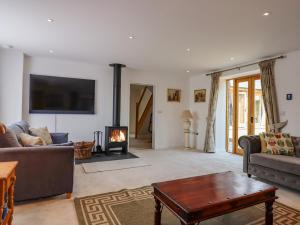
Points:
point(61, 95)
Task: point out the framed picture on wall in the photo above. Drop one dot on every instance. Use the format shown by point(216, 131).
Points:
point(200, 95)
point(173, 95)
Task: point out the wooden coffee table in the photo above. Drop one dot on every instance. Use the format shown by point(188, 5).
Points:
point(200, 198)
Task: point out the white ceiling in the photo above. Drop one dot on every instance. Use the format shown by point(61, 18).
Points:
point(97, 31)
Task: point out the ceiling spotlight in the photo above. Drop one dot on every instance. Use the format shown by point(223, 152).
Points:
point(50, 20)
point(188, 71)
point(51, 51)
point(266, 13)
point(231, 58)
point(131, 37)
point(188, 49)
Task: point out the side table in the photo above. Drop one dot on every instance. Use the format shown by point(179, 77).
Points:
point(7, 184)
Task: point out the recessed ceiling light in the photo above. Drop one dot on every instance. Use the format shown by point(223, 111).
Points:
point(188, 71)
point(188, 49)
point(131, 37)
point(266, 13)
point(231, 58)
point(51, 51)
point(50, 20)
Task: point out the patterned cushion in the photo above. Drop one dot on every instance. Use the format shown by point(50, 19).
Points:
point(28, 140)
point(278, 144)
point(296, 143)
point(42, 133)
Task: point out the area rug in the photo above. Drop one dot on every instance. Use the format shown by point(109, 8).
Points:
point(104, 157)
point(113, 165)
point(136, 207)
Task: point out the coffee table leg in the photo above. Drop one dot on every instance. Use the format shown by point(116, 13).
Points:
point(269, 213)
point(157, 215)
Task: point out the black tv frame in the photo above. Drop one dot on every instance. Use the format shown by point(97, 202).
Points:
point(32, 111)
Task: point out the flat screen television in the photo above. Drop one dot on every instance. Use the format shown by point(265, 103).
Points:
point(61, 95)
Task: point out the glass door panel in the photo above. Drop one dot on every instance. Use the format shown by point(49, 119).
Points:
point(230, 116)
point(259, 109)
point(242, 109)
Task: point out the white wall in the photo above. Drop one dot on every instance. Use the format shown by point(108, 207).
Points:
point(287, 80)
point(167, 124)
point(166, 115)
point(287, 72)
point(11, 82)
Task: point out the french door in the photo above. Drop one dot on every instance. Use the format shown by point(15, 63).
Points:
point(245, 114)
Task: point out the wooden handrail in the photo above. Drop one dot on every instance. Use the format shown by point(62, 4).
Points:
point(139, 122)
point(142, 96)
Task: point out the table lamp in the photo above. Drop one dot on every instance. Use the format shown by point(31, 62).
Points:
point(187, 116)
point(2, 128)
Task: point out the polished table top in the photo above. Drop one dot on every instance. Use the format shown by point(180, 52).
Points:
point(197, 193)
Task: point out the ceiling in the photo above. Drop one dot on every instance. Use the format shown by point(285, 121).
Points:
point(97, 31)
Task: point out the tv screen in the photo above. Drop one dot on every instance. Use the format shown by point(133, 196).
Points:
point(61, 95)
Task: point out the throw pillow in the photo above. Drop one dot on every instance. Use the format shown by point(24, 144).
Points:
point(278, 144)
point(27, 139)
point(42, 133)
point(9, 139)
point(263, 142)
point(296, 143)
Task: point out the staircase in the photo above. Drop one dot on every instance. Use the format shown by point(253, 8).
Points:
point(143, 108)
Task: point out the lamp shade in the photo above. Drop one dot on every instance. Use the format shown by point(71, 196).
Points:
point(186, 114)
point(2, 128)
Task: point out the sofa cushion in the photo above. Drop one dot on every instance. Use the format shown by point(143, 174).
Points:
point(28, 140)
point(277, 144)
point(19, 128)
point(296, 142)
point(288, 164)
point(42, 133)
point(9, 139)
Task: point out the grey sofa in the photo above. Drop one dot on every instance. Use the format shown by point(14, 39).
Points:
point(284, 170)
point(42, 171)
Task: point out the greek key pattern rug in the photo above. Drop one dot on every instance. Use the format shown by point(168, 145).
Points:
point(136, 207)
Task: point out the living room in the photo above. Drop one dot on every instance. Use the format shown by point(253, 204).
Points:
point(187, 52)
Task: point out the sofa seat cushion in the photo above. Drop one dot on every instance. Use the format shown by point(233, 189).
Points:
point(288, 164)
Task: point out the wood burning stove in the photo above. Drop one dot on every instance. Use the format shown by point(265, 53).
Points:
point(116, 136)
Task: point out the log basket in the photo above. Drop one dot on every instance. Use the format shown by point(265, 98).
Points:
point(83, 149)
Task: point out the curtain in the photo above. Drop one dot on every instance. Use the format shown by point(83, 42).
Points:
point(269, 94)
point(209, 145)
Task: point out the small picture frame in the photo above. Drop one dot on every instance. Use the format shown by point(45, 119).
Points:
point(200, 95)
point(173, 95)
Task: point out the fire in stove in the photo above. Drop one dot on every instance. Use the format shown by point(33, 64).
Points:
point(118, 136)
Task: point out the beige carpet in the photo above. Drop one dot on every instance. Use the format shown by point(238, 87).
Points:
point(113, 165)
point(136, 207)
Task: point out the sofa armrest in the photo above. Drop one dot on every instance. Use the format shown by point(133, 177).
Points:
point(250, 145)
point(42, 171)
point(59, 138)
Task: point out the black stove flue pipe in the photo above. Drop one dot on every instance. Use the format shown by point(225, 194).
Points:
point(117, 93)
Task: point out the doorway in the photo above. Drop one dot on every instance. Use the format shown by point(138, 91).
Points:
point(245, 112)
point(141, 116)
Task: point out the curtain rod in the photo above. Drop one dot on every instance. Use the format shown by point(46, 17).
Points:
point(246, 65)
